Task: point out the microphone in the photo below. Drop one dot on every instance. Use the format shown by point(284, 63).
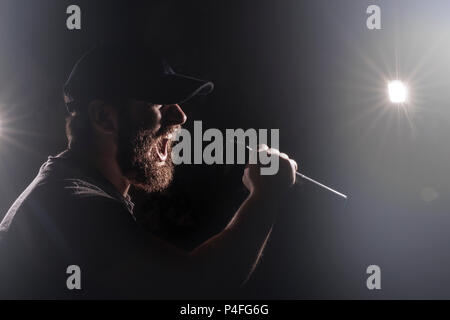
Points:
point(301, 175)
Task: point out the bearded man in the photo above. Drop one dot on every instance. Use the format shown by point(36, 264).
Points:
point(72, 232)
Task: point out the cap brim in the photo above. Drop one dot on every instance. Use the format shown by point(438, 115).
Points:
point(174, 89)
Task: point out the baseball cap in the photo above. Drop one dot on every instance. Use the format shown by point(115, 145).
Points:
point(128, 71)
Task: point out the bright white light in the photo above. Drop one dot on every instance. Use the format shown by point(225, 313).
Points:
point(397, 91)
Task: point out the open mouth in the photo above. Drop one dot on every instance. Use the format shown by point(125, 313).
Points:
point(162, 147)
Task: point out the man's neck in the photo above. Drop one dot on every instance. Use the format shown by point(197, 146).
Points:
point(111, 171)
point(106, 165)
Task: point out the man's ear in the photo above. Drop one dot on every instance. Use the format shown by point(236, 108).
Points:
point(103, 116)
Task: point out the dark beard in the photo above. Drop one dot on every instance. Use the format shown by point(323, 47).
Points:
point(141, 168)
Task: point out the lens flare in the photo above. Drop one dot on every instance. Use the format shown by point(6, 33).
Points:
point(398, 93)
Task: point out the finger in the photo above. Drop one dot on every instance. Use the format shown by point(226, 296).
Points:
point(263, 147)
point(284, 155)
point(273, 151)
point(294, 164)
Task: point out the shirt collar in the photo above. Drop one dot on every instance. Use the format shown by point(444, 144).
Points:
point(91, 174)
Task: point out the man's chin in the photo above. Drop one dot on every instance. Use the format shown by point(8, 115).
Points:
point(149, 188)
point(155, 180)
point(161, 163)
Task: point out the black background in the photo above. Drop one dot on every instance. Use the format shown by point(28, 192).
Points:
point(311, 69)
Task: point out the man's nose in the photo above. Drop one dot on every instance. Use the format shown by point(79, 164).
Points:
point(173, 115)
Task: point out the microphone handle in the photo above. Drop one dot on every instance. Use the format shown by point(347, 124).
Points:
point(301, 175)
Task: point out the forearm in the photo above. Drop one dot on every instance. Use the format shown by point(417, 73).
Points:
point(228, 257)
point(222, 262)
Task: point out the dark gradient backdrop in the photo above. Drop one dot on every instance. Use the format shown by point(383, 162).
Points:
point(310, 68)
